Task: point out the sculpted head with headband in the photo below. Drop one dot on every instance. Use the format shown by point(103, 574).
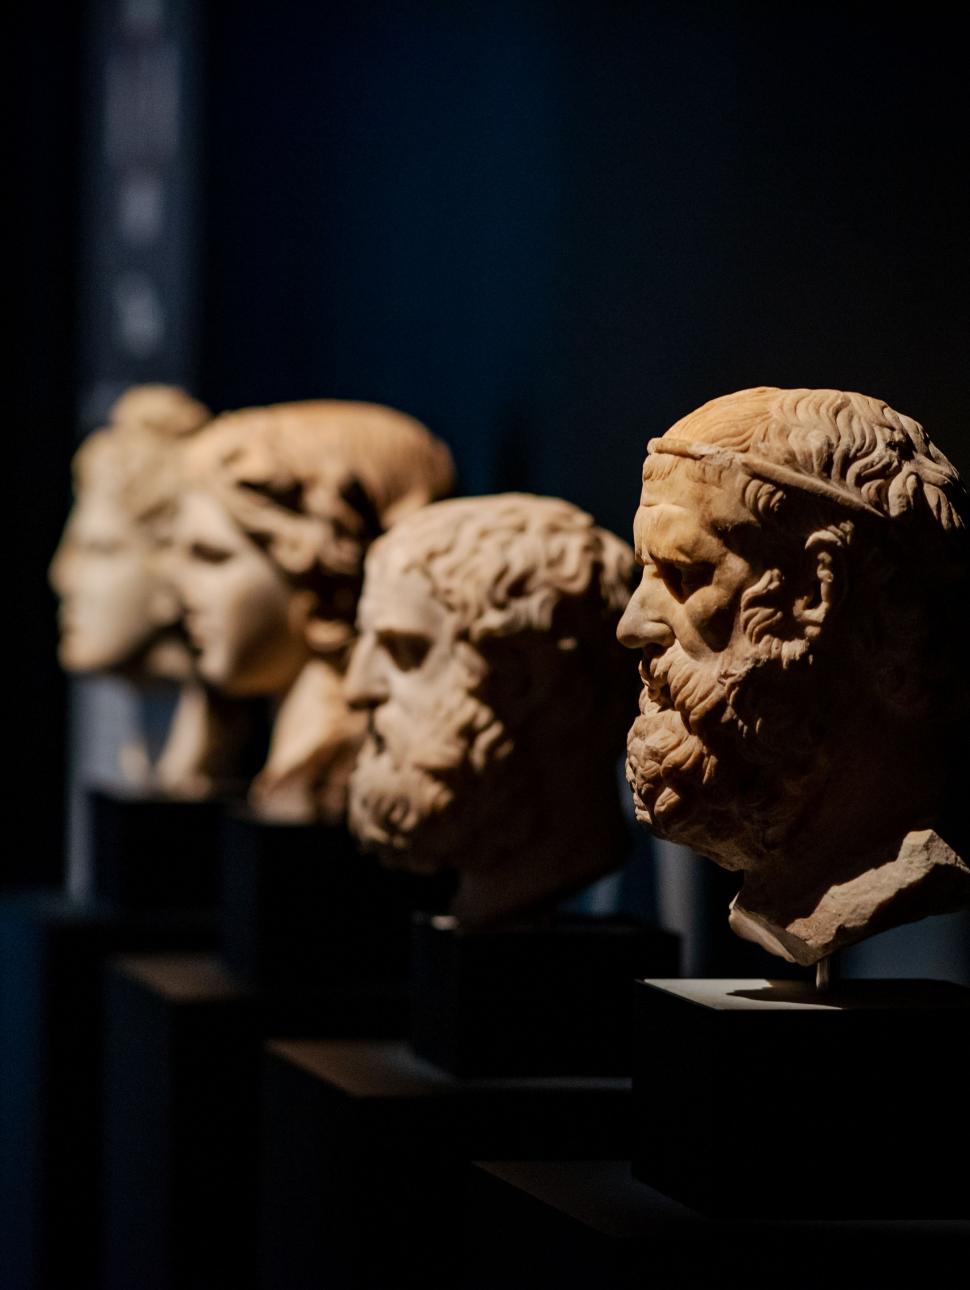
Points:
point(805, 570)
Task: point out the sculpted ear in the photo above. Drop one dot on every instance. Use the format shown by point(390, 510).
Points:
point(822, 586)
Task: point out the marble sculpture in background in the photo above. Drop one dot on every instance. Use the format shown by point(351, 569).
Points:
point(280, 507)
point(119, 611)
point(496, 698)
point(801, 621)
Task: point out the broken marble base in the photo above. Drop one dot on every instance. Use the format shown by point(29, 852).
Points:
point(762, 1099)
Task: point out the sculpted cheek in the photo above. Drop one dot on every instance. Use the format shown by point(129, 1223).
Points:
point(710, 615)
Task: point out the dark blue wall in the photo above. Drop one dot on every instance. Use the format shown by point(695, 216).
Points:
point(548, 230)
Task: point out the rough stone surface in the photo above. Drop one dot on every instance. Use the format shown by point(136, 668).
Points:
point(801, 624)
point(280, 506)
point(496, 699)
point(119, 610)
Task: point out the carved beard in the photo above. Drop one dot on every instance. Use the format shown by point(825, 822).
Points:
point(714, 758)
point(425, 792)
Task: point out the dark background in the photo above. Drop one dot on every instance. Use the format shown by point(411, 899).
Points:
point(546, 230)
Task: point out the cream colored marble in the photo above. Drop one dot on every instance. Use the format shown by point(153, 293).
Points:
point(805, 697)
point(280, 507)
point(494, 690)
point(119, 610)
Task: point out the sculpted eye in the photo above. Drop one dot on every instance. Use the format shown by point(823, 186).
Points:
point(682, 579)
point(209, 554)
point(408, 650)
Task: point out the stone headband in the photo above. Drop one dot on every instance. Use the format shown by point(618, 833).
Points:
point(758, 468)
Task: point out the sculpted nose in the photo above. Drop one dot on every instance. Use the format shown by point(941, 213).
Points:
point(640, 627)
point(57, 571)
point(364, 684)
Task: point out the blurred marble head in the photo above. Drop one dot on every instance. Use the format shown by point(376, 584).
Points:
point(111, 569)
point(800, 626)
point(281, 505)
point(488, 667)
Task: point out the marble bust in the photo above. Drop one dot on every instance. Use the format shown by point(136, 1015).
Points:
point(119, 611)
point(801, 626)
point(493, 686)
point(280, 506)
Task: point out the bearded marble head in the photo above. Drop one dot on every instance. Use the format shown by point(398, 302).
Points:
point(281, 506)
point(488, 667)
point(800, 621)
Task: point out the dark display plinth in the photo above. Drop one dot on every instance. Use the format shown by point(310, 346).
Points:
point(183, 1041)
point(52, 956)
point(365, 1149)
point(315, 942)
point(301, 909)
point(768, 1099)
point(153, 852)
point(536, 998)
point(180, 1072)
point(578, 1224)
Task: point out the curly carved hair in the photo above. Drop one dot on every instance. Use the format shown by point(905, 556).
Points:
point(860, 445)
point(315, 482)
point(506, 564)
point(804, 460)
point(538, 589)
point(136, 457)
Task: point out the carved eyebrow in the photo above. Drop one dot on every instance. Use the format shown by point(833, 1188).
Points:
point(665, 542)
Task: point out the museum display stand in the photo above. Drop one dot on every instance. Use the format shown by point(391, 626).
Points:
point(518, 1043)
point(837, 1091)
point(153, 863)
point(784, 1132)
point(314, 940)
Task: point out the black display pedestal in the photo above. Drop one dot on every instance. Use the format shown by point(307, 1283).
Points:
point(766, 1099)
point(366, 1143)
point(153, 852)
point(185, 1036)
point(153, 863)
point(573, 1225)
point(365, 1146)
point(531, 998)
point(302, 910)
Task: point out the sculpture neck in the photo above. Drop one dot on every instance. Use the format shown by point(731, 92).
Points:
point(312, 749)
point(567, 831)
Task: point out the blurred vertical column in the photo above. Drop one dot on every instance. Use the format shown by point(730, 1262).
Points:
point(140, 291)
point(127, 276)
